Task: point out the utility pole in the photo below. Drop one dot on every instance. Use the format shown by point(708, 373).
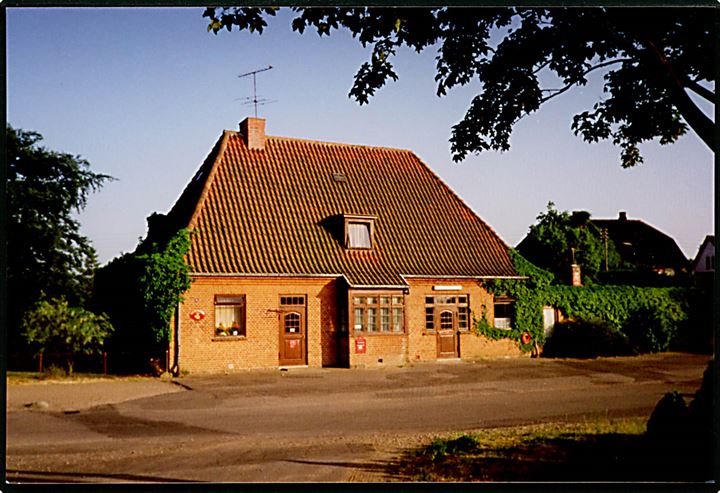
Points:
point(604, 235)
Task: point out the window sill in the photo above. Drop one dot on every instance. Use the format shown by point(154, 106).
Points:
point(430, 332)
point(373, 334)
point(228, 338)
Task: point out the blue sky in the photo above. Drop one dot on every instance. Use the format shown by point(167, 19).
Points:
point(143, 94)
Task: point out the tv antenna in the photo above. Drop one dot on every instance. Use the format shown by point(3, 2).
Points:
point(254, 99)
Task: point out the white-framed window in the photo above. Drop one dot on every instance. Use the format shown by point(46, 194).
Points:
point(503, 313)
point(230, 315)
point(378, 313)
point(359, 232)
point(435, 305)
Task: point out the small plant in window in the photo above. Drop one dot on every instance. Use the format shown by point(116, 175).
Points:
point(220, 330)
point(235, 329)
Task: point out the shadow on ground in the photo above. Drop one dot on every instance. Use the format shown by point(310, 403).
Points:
point(37, 476)
point(572, 458)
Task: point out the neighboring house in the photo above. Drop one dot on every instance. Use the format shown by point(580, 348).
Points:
point(642, 246)
point(324, 254)
point(704, 262)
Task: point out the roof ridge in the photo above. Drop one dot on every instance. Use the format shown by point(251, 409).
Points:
point(210, 178)
point(328, 142)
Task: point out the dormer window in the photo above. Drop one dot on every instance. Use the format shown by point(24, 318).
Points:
point(359, 232)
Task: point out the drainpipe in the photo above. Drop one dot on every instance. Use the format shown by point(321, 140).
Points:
point(176, 338)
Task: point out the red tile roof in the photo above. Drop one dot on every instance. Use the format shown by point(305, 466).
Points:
point(279, 211)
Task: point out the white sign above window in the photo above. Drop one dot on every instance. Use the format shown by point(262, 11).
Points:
point(447, 288)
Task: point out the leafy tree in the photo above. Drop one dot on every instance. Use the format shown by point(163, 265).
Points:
point(558, 239)
point(55, 326)
point(140, 292)
point(651, 57)
point(48, 255)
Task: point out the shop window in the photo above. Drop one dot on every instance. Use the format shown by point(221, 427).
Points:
point(230, 316)
point(378, 313)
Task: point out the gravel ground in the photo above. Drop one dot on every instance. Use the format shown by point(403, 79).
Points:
point(72, 395)
point(314, 425)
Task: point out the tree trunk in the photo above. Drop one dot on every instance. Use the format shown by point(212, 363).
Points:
point(701, 124)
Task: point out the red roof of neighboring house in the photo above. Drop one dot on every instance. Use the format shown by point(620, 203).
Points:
point(279, 210)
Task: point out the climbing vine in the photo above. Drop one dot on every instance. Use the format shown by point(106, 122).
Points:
point(140, 290)
point(617, 305)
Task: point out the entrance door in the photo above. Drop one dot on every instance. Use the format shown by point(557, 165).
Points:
point(548, 320)
point(447, 335)
point(293, 350)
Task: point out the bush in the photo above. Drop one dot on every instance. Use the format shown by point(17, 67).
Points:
point(649, 330)
point(669, 418)
point(686, 432)
point(586, 339)
point(700, 409)
point(56, 326)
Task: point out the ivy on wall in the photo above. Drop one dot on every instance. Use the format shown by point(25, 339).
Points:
point(141, 290)
point(618, 305)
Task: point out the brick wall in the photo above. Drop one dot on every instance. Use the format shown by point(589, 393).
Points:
point(380, 350)
point(201, 351)
point(423, 343)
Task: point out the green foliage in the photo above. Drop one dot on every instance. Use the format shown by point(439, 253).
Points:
point(650, 330)
point(164, 279)
point(50, 258)
point(140, 291)
point(586, 339)
point(559, 239)
point(440, 448)
point(698, 333)
point(529, 300)
point(665, 310)
point(524, 57)
point(55, 326)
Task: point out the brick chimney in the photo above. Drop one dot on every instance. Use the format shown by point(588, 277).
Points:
point(253, 133)
point(623, 216)
point(576, 279)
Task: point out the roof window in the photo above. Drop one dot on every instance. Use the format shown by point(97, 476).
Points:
point(339, 177)
point(359, 232)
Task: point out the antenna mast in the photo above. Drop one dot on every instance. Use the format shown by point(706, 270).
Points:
point(255, 99)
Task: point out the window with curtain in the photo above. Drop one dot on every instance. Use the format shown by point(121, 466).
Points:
point(503, 315)
point(230, 315)
point(358, 235)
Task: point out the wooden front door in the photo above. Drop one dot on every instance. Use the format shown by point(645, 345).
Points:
point(293, 347)
point(447, 344)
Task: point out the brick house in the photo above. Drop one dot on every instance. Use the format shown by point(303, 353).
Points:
point(324, 254)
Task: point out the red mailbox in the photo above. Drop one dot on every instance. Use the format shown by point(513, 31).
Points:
point(360, 345)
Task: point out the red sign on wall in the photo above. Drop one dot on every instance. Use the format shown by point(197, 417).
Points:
point(197, 315)
point(360, 345)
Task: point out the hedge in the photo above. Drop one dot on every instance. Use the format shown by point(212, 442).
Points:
point(626, 308)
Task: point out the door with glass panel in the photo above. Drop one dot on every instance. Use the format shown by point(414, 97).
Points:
point(293, 342)
point(447, 344)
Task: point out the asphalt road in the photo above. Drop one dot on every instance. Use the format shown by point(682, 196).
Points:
point(310, 425)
